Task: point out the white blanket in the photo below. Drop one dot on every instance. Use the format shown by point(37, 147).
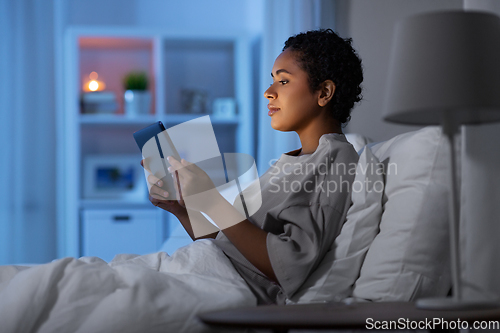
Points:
point(149, 293)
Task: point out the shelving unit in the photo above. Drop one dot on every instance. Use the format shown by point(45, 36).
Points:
point(219, 66)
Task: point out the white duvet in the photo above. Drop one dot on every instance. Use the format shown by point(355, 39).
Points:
point(149, 293)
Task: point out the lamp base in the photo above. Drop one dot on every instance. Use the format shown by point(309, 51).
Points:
point(448, 303)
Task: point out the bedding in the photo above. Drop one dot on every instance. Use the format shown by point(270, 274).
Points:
point(409, 258)
point(149, 293)
point(394, 245)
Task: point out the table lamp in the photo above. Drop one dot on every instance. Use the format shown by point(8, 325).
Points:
point(445, 70)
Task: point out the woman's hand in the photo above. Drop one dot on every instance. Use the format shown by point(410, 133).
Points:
point(160, 198)
point(195, 185)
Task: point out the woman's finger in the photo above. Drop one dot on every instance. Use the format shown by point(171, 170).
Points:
point(153, 180)
point(175, 165)
point(155, 190)
point(178, 165)
point(183, 165)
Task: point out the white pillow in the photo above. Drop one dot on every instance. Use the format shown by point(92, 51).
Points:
point(409, 258)
point(337, 272)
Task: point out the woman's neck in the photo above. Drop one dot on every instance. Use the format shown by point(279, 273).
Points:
point(309, 139)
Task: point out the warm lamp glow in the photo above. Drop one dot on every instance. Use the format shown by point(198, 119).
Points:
point(94, 84)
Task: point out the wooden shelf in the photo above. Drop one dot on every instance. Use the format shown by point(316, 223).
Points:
point(120, 119)
point(116, 119)
point(114, 204)
point(217, 65)
point(180, 118)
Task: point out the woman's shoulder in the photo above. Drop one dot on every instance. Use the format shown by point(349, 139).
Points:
point(336, 146)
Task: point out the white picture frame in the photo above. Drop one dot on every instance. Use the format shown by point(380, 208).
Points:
point(119, 177)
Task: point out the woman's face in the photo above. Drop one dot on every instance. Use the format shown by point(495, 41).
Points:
point(292, 106)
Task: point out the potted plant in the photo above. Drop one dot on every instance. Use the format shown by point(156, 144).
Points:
point(137, 96)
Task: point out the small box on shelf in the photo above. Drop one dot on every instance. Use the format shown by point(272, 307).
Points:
point(97, 102)
point(224, 108)
point(194, 101)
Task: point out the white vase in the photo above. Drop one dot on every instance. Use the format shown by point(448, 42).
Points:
point(137, 102)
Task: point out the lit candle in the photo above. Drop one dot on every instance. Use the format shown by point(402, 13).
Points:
point(94, 84)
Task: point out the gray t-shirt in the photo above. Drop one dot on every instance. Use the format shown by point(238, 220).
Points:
point(304, 203)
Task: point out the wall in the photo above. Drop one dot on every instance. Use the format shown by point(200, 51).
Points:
point(479, 200)
point(370, 24)
point(189, 16)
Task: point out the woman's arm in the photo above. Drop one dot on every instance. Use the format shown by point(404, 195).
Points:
point(182, 215)
point(249, 239)
point(200, 194)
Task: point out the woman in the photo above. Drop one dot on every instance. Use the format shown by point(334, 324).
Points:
point(305, 194)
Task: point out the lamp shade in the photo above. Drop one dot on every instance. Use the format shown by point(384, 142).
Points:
point(445, 64)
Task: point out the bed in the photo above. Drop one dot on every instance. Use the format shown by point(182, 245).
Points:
point(149, 293)
point(392, 247)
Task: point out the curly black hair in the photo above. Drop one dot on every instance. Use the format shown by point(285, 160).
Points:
point(326, 56)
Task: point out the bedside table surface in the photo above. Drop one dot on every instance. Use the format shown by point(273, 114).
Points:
point(336, 315)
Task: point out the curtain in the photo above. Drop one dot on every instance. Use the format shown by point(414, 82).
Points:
point(282, 19)
point(27, 132)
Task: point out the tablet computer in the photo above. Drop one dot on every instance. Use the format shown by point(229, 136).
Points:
point(155, 145)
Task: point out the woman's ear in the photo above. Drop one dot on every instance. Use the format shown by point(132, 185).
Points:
point(327, 89)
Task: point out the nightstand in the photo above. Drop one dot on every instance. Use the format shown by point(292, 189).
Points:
point(404, 315)
point(108, 232)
